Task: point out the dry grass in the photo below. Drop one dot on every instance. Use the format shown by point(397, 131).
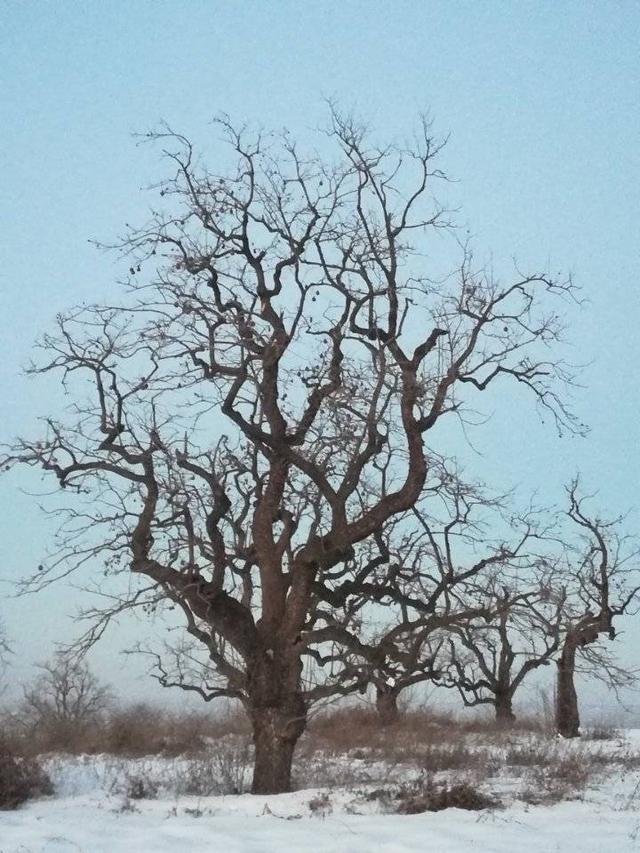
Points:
point(132, 731)
point(224, 768)
point(563, 779)
point(602, 731)
point(346, 748)
point(468, 753)
point(422, 740)
point(141, 729)
point(354, 727)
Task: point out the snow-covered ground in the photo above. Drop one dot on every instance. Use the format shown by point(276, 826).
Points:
point(92, 811)
point(273, 825)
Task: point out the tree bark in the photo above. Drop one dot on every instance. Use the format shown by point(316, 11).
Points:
point(275, 735)
point(278, 716)
point(567, 715)
point(503, 706)
point(387, 705)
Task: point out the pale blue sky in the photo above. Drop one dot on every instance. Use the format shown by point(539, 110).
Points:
point(541, 100)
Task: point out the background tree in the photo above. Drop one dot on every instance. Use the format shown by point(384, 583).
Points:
point(64, 699)
point(489, 661)
point(436, 564)
point(257, 408)
point(602, 584)
point(5, 652)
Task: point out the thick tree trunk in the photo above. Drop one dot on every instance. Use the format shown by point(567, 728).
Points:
point(503, 706)
point(387, 705)
point(275, 735)
point(567, 715)
point(278, 716)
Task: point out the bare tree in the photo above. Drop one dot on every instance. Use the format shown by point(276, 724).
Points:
point(5, 652)
point(569, 598)
point(491, 660)
point(64, 698)
point(281, 343)
point(413, 659)
point(602, 584)
point(437, 563)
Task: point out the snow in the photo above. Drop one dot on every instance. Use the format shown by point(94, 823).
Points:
point(271, 825)
point(90, 813)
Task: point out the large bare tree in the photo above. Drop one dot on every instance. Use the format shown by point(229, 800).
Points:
point(281, 339)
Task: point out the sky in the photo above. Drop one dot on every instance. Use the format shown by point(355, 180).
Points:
point(541, 103)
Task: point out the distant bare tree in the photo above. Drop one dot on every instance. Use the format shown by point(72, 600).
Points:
point(5, 652)
point(283, 342)
point(491, 660)
point(413, 658)
point(602, 584)
point(435, 567)
point(64, 698)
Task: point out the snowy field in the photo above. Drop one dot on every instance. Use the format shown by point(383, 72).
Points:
point(100, 806)
point(280, 825)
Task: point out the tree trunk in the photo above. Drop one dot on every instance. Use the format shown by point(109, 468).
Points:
point(503, 705)
point(387, 705)
point(567, 715)
point(278, 716)
point(275, 735)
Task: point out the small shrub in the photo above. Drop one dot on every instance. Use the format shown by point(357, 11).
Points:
point(139, 787)
point(197, 778)
point(628, 760)
point(563, 778)
point(529, 755)
point(21, 779)
point(224, 771)
point(318, 770)
point(231, 760)
point(435, 759)
point(433, 798)
point(575, 770)
point(194, 812)
point(604, 731)
point(321, 804)
point(127, 807)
